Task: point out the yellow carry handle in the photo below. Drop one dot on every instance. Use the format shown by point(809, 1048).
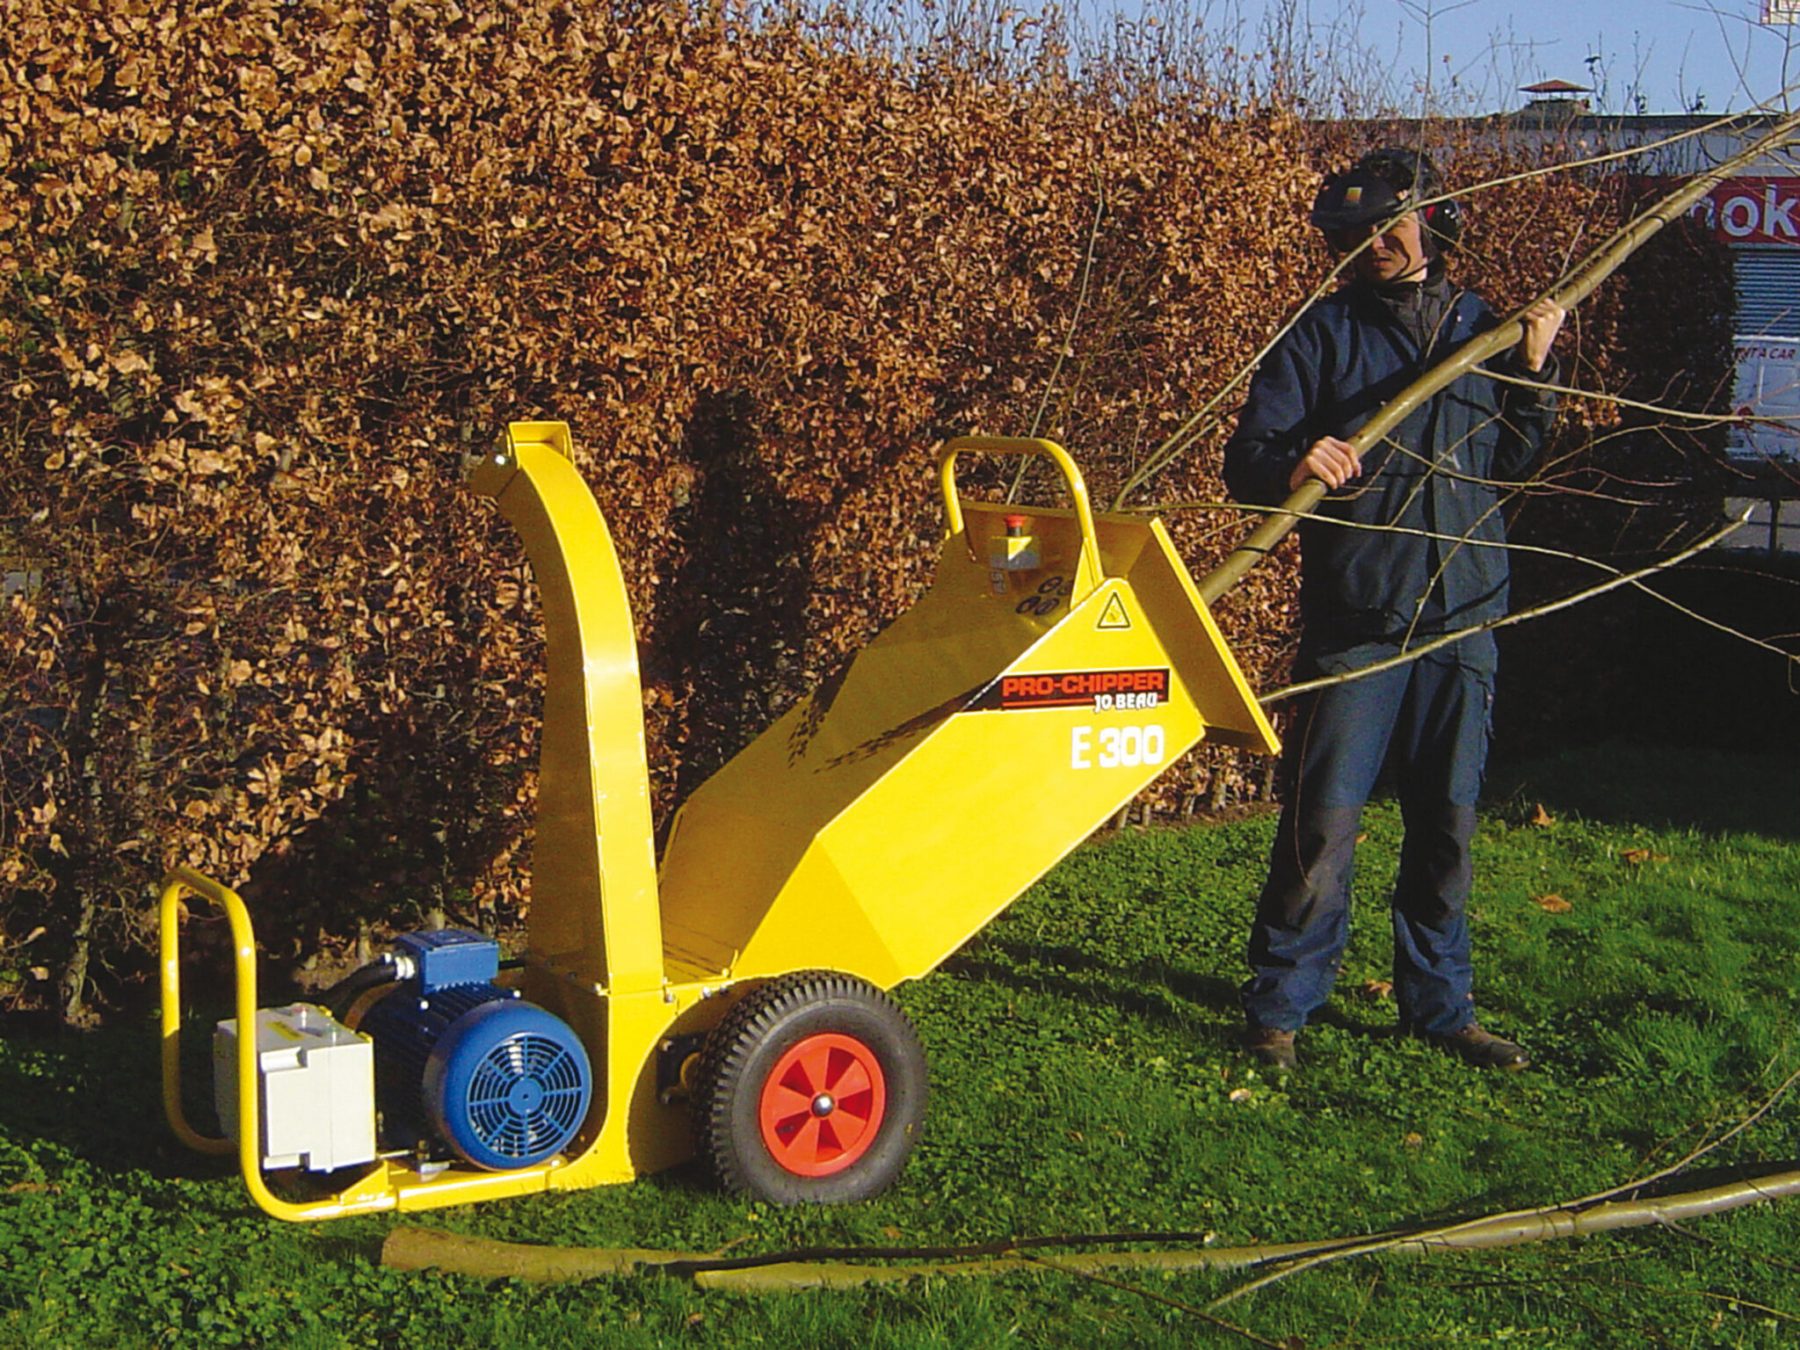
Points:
point(178, 880)
point(1021, 445)
point(249, 1140)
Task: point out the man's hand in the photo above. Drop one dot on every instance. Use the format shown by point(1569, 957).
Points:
point(1542, 321)
point(1330, 459)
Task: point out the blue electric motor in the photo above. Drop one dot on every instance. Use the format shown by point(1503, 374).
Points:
point(465, 1063)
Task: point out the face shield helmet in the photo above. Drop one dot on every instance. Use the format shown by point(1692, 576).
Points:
point(1379, 187)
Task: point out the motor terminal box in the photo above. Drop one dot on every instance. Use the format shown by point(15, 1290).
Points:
point(450, 956)
point(316, 1080)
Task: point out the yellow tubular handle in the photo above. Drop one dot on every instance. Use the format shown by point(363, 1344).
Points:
point(249, 1141)
point(1020, 445)
point(174, 884)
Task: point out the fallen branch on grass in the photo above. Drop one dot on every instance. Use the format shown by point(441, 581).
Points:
point(486, 1258)
point(1599, 1212)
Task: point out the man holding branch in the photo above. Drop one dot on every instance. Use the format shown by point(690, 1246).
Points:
point(1408, 547)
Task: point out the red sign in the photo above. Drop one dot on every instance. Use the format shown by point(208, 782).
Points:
point(1102, 690)
point(1753, 211)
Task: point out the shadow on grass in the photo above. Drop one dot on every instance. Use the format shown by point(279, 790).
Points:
point(98, 1095)
point(1151, 988)
point(1712, 791)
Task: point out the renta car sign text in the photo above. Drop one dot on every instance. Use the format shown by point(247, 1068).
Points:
point(1754, 211)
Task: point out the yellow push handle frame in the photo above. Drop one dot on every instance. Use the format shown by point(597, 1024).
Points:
point(249, 1141)
point(1021, 445)
point(244, 956)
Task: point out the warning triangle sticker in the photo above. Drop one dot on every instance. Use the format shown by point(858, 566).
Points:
point(1113, 614)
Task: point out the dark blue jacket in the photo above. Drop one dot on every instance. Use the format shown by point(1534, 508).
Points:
point(1442, 472)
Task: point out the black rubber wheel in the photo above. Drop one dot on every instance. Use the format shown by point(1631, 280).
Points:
point(811, 1091)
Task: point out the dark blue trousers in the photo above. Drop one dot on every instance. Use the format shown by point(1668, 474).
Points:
point(1429, 720)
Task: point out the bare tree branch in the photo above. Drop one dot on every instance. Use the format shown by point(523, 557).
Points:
point(1202, 420)
point(1566, 1218)
point(1519, 616)
point(1568, 292)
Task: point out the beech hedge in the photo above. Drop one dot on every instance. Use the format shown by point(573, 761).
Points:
point(269, 269)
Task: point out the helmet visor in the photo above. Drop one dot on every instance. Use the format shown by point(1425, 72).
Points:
point(1351, 203)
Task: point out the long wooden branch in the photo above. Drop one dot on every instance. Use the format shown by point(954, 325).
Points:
point(1599, 1212)
point(1185, 436)
point(409, 1248)
point(1575, 287)
point(1623, 1206)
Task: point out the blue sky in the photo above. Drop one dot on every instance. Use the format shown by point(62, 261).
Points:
point(1672, 52)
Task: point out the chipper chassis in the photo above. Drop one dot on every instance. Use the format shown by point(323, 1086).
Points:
point(731, 1002)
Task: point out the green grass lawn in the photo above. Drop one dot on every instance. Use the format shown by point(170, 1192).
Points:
point(1085, 1080)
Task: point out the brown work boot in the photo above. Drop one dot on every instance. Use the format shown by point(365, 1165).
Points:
point(1483, 1049)
point(1271, 1047)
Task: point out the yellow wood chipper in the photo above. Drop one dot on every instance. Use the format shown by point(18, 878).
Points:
point(730, 1001)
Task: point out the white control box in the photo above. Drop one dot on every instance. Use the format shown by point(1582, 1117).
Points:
point(317, 1080)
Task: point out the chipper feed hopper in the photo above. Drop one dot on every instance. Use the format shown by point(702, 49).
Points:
point(732, 1002)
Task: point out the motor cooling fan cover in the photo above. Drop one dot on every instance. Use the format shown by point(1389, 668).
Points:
point(508, 1085)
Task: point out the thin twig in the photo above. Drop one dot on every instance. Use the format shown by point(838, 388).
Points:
point(1738, 1300)
point(1068, 342)
point(1718, 625)
point(1151, 1294)
point(1700, 1152)
point(1659, 409)
point(1507, 620)
point(1295, 1267)
point(1682, 1231)
point(1536, 550)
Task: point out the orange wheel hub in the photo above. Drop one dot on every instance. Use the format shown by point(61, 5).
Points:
point(823, 1104)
